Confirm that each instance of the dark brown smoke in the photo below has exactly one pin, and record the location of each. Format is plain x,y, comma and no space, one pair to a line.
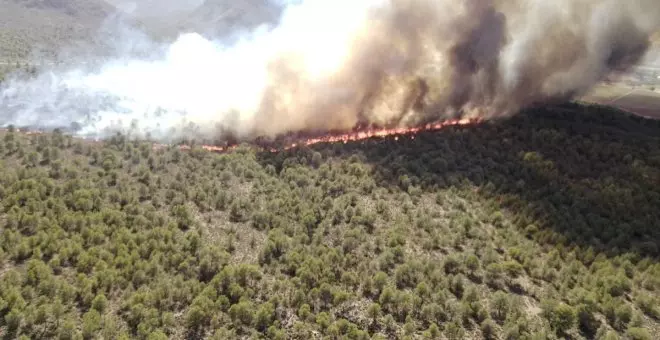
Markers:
422,60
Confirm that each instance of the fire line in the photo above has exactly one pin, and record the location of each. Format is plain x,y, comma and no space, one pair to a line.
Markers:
346,137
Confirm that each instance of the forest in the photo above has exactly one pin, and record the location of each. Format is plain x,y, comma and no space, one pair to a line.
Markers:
544,225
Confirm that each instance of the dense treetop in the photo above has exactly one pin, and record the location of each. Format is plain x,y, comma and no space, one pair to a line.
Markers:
541,226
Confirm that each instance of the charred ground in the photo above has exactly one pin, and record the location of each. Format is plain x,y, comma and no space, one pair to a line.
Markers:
540,226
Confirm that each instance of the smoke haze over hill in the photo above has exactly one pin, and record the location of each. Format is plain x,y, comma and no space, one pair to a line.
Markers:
334,64
210,18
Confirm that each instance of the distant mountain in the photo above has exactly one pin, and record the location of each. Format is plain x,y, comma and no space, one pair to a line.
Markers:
211,18
156,8
221,17
44,26
48,29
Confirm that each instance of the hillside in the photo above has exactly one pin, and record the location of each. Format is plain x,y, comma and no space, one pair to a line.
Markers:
41,31
45,26
216,19
542,226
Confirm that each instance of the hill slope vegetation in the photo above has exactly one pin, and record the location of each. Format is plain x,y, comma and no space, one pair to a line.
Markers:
40,29
44,27
542,226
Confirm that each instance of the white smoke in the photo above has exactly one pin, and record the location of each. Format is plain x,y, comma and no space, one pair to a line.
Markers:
328,61
196,82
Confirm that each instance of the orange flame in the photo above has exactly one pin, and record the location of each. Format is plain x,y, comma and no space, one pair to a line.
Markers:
329,138
347,137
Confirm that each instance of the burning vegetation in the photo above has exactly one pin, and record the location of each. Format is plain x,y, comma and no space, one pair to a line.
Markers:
293,140
328,66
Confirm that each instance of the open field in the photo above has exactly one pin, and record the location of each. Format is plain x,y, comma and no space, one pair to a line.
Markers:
640,101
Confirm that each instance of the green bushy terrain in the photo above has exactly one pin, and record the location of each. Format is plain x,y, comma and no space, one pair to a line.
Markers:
542,226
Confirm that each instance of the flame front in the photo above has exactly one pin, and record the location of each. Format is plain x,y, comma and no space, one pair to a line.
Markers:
347,137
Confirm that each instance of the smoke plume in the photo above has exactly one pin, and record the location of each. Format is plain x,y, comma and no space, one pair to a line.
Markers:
333,65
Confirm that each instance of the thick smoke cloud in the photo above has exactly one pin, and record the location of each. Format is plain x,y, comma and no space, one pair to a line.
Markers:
331,65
